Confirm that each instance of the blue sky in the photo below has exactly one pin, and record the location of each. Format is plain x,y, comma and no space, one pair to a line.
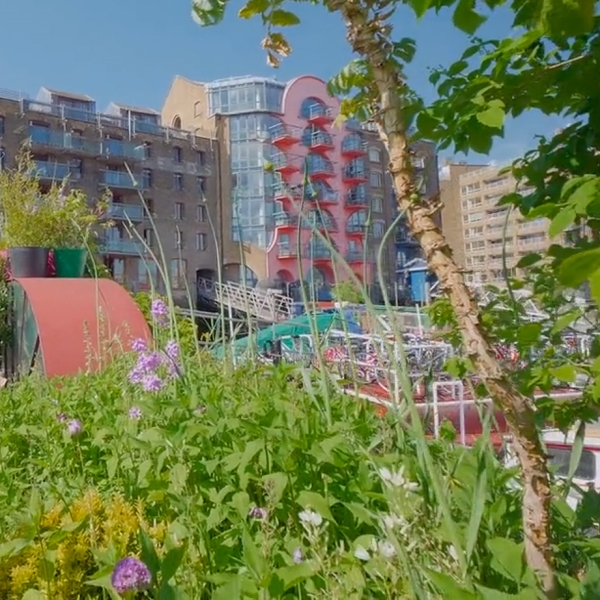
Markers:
129,51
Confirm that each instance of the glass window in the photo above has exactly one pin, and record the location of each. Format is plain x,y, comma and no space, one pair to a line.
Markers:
201,241
378,229
177,154
308,107
178,273
201,185
377,204
374,155
178,211
376,179
177,182
146,179
201,214
1,125
560,459
179,239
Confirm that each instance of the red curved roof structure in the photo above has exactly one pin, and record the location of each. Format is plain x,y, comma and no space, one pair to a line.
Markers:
81,323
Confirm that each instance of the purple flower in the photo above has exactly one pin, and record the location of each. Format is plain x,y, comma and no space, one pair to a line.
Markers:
135,413
131,575
172,349
148,362
152,382
139,345
136,375
61,418
74,427
257,513
298,556
159,311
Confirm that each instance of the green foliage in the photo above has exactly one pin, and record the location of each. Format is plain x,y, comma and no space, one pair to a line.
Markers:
346,291
56,219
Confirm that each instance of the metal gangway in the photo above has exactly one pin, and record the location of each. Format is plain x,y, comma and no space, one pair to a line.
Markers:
269,306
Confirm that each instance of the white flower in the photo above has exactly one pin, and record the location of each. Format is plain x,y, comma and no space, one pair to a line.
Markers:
361,553
391,521
310,517
386,549
396,479
452,552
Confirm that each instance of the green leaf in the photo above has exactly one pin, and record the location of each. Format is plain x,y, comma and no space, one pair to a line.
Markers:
576,452
283,18
34,595
252,556
149,556
253,8
575,269
420,7
275,483
477,506
491,594
171,563
529,333
567,18
405,49
528,260
564,373
426,124
466,18
493,115
564,219
595,287
565,321
507,558
448,587
316,502
295,574
590,586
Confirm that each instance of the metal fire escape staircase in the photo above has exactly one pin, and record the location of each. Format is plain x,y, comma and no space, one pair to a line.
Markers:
269,306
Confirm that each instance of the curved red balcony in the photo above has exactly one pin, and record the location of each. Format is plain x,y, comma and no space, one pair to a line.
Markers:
320,169
321,141
320,114
354,200
284,136
286,251
353,147
286,164
355,257
356,229
318,254
284,191
354,175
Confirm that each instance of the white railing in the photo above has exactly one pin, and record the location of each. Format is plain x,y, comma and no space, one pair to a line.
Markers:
268,306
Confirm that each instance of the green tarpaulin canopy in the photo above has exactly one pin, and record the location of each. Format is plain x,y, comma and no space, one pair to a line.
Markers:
322,322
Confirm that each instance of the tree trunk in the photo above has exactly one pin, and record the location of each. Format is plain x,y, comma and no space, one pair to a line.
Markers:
369,39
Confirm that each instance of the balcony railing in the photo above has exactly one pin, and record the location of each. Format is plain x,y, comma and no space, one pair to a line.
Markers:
320,112
118,179
326,196
126,212
44,136
318,167
356,227
131,125
120,149
120,246
356,256
353,144
316,252
354,174
356,200
55,171
321,139
286,251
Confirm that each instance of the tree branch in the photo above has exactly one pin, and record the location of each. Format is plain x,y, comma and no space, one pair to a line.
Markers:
366,38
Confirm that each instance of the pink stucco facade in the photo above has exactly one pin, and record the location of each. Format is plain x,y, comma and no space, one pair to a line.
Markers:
309,140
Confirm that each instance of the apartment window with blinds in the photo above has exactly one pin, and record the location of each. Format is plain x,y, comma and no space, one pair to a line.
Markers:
177,182
179,240
201,214
201,185
201,241
377,205
178,273
1,125
376,179
177,154
178,211
146,179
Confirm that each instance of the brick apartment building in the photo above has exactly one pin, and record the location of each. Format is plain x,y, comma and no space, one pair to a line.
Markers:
176,171
477,228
